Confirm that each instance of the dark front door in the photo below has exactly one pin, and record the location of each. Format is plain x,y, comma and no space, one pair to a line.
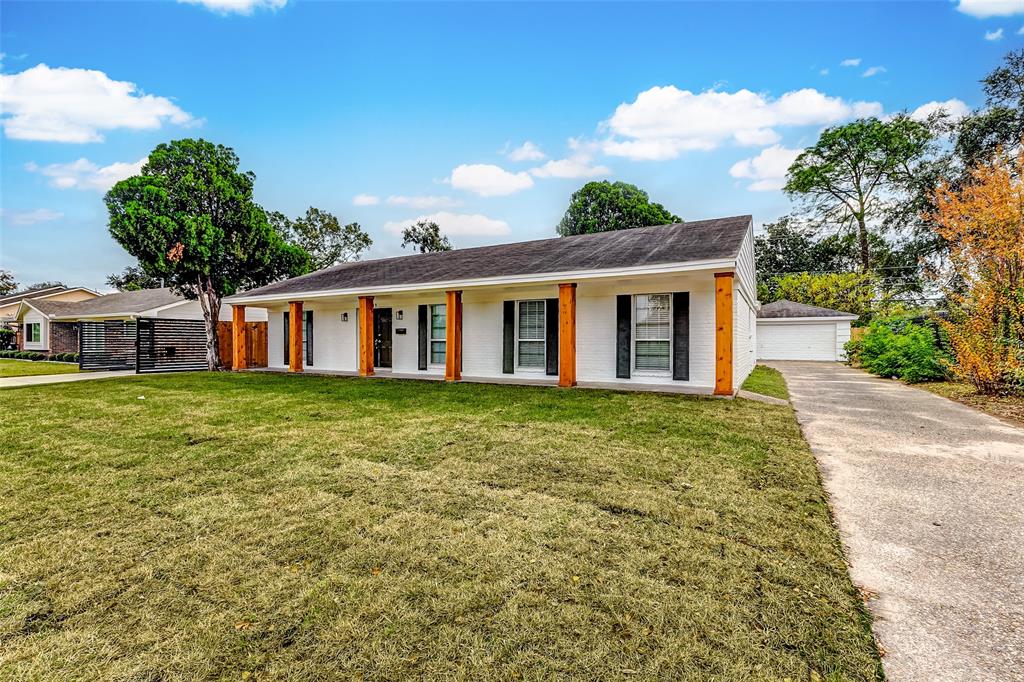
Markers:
382,337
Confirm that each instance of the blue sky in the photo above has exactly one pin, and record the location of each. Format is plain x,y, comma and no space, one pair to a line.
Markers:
382,113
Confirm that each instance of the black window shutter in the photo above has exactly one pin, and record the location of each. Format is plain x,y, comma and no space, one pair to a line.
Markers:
423,321
508,346
681,335
551,334
287,342
309,338
623,335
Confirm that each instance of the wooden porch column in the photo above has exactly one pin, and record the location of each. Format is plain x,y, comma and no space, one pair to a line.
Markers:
295,330
567,334
453,336
723,333
239,338
366,336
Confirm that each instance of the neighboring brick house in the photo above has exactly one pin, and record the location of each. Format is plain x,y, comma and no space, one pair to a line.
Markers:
10,304
52,326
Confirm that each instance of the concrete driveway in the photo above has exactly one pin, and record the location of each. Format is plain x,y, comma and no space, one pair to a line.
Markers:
929,498
41,379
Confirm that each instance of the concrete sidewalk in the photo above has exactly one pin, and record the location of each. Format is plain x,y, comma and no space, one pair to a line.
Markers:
929,498
42,380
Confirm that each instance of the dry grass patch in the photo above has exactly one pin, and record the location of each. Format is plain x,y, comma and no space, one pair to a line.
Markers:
312,528
1008,407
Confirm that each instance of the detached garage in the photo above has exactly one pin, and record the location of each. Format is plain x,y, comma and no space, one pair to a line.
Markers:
795,331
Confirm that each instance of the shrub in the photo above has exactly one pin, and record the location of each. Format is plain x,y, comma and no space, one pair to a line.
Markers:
896,347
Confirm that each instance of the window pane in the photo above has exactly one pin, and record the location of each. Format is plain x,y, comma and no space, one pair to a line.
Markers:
437,321
652,355
652,317
437,352
531,354
531,320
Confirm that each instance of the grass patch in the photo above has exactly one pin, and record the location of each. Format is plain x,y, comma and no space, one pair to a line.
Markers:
767,381
321,528
30,368
1008,407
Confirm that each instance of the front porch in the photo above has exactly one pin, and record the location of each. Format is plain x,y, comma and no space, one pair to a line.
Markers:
596,333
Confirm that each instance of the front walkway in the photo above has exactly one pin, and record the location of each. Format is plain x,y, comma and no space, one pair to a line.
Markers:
929,498
41,379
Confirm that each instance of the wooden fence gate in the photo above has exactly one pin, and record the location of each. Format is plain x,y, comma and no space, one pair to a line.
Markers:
256,336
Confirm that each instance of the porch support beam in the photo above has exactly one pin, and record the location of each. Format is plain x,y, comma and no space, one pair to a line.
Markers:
366,336
567,334
723,333
296,327
453,336
239,339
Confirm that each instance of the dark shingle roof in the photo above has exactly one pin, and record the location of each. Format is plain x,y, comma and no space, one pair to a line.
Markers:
786,308
30,293
678,243
113,304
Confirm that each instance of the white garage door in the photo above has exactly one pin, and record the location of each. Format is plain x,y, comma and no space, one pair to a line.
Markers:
801,341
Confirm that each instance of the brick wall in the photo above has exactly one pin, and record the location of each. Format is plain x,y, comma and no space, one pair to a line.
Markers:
63,337
19,337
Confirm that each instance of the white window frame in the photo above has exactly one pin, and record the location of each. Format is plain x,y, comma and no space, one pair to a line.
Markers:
544,337
38,326
632,331
430,335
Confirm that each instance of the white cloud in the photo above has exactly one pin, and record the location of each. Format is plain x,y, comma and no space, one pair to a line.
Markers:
982,9
850,62
994,35
423,201
32,217
664,121
1020,31
76,105
823,72
873,71
455,224
365,200
758,137
237,6
767,169
489,180
84,174
954,108
579,164
527,151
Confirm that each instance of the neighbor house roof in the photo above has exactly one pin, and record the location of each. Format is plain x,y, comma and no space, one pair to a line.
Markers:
42,292
701,240
791,309
122,304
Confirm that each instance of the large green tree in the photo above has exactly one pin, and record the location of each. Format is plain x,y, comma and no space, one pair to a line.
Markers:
190,219
1000,123
426,237
845,178
133,278
322,236
604,206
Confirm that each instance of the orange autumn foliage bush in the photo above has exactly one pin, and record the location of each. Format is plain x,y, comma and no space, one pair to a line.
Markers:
983,222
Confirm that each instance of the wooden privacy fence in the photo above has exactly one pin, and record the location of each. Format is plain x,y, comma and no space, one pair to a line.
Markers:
256,337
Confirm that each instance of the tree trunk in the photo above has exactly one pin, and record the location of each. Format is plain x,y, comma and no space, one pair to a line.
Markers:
862,238
210,303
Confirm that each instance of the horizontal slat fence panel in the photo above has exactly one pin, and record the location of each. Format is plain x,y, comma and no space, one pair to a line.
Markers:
106,345
256,335
167,345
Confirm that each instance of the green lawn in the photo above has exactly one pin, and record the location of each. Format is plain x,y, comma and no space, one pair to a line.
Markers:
767,381
286,527
28,368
